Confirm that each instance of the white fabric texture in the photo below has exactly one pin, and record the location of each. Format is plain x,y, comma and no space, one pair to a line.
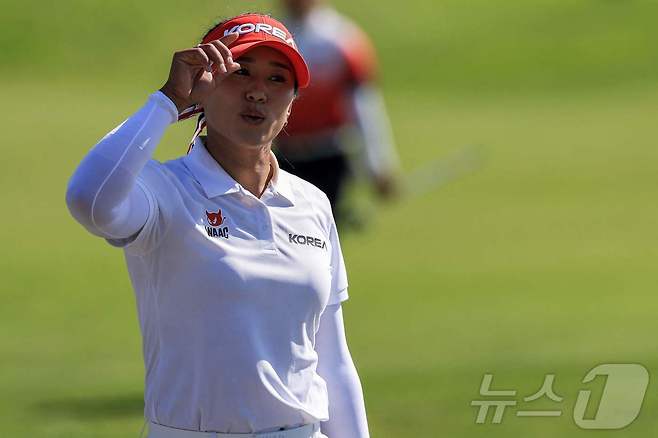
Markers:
102,194
307,431
230,288
347,413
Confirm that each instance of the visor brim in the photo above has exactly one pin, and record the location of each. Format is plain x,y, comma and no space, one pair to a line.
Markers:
296,60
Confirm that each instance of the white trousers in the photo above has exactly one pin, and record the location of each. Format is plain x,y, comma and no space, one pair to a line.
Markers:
307,431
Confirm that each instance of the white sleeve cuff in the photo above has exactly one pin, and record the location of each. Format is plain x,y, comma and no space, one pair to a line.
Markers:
166,105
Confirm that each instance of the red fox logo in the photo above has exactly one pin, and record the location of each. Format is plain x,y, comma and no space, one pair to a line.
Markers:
215,219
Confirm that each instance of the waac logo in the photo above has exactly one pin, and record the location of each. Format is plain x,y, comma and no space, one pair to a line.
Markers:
215,220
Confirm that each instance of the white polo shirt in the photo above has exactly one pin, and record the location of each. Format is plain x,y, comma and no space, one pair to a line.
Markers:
230,289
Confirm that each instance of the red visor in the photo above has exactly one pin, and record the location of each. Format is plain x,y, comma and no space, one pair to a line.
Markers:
256,30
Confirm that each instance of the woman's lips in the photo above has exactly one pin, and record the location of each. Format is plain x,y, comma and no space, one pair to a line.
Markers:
253,117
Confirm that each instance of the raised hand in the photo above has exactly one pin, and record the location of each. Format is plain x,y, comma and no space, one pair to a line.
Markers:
195,72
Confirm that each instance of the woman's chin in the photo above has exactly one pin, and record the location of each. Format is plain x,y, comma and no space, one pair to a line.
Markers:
255,139
254,142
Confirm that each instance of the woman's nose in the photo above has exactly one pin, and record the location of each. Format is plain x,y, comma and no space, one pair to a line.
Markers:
256,94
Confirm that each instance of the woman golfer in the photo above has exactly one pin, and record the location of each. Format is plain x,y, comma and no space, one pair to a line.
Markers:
236,264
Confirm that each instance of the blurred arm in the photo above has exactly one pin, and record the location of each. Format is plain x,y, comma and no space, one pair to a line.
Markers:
372,122
103,194
347,412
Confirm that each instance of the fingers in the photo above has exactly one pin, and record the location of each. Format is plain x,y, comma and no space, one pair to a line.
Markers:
215,57
220,57
228,39
231,65
196,57
187,78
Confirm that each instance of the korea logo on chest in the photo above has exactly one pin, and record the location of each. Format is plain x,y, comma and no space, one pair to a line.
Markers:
216,226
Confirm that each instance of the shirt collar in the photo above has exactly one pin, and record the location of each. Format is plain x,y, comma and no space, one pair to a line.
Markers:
215,181
280,182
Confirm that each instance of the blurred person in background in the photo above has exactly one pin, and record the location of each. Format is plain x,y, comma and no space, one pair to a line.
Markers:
342,99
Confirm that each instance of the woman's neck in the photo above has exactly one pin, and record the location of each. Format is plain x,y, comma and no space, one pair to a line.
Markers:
251,167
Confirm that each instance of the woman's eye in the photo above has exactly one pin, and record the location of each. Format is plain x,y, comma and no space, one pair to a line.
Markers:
278,78
242,72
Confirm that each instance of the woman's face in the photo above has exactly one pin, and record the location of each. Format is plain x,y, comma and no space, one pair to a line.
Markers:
251,106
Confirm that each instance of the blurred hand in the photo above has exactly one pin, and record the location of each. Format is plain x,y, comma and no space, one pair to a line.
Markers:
386,186
196,72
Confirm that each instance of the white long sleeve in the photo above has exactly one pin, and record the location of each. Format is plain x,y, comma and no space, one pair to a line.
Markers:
347,412
103,194
380,155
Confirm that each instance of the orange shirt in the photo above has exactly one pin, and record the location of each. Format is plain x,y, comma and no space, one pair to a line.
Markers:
339,56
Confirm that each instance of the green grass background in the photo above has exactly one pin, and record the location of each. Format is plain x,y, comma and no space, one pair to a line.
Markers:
544,261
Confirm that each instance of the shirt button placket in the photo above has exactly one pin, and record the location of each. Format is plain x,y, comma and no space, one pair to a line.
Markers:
267,234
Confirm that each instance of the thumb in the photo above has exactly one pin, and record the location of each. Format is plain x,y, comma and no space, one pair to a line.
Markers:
229,38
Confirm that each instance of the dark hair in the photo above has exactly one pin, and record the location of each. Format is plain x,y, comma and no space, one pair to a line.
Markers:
220,22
